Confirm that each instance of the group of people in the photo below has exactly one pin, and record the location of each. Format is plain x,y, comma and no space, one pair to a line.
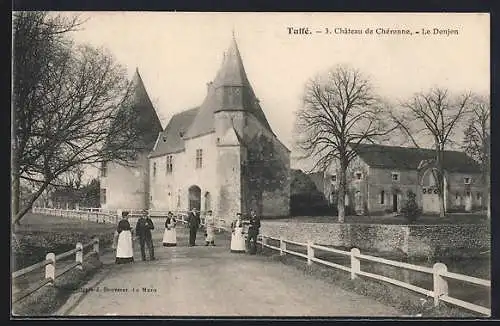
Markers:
123,240
124,235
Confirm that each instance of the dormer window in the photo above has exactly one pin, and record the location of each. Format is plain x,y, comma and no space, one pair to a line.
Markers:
467,180
358,175
395,176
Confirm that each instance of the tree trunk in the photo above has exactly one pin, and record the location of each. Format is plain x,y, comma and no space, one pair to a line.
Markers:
342,193
440,182
28,206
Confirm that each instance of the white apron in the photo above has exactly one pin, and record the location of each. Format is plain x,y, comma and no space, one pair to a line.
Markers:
210,230
124,247
170,236
238,240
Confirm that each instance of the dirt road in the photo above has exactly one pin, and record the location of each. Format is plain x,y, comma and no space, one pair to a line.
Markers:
211,281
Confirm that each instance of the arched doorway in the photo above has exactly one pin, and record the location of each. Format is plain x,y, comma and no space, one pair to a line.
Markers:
208,202
194,197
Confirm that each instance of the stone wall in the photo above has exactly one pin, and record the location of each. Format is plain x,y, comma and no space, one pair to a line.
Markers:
413,241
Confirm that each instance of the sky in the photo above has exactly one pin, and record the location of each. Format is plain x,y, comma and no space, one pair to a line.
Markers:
178,53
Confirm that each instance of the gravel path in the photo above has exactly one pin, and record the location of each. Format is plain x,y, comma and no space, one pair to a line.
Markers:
211,281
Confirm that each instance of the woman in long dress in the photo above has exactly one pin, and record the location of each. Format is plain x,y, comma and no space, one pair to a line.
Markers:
170,234
237,235
123,236
210,229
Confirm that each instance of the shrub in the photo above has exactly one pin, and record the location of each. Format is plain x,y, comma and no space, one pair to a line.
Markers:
410,209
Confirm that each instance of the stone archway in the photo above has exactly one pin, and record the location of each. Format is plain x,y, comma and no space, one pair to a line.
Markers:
194,197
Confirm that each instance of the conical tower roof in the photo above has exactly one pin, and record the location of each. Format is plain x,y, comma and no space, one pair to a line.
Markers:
230,74
148,124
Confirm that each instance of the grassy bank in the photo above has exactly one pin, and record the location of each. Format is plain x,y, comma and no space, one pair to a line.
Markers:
408,302
40,234
49,298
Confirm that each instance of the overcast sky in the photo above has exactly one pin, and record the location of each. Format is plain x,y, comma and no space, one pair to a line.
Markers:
178,53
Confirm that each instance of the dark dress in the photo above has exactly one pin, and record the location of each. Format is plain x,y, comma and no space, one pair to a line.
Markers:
124,243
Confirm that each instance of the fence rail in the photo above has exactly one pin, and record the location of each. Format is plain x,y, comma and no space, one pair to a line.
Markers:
439,271
49,263
100,215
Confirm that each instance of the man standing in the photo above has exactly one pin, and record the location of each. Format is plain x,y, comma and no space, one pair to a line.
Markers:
194,223
143,231
253,232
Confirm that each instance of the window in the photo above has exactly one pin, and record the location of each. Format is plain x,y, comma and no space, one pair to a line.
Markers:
382,197
467,180
478,196
456,195
358,175
104,169
334,178
103,196
199,158
154,169
395,176
169,166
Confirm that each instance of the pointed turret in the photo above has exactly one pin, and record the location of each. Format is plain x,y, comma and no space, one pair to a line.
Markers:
148,123
230,91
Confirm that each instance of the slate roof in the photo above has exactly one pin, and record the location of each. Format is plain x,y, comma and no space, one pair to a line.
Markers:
170,140
408,158
146,123
231,73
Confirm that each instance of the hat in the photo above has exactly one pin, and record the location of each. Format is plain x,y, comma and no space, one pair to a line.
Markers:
124,214
238,214
209,212
145,212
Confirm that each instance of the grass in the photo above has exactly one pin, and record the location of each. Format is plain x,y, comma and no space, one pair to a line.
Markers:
39,234
407,302
34,238
51,297
451,218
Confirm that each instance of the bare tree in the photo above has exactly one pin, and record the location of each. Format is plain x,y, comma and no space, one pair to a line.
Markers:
435,114
477,141
72,106
340,111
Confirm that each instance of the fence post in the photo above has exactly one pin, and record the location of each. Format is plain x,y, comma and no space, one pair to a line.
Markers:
79,255
96,245
310,252
50,269
263,241
355,263
440,283
282,246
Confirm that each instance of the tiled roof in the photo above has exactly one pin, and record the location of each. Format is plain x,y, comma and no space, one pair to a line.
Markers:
171,139
409,158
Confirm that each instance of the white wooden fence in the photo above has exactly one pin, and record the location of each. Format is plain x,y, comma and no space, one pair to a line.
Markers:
50,268
100,215
439,271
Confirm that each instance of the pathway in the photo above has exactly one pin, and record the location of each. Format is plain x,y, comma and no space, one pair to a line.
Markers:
211,281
